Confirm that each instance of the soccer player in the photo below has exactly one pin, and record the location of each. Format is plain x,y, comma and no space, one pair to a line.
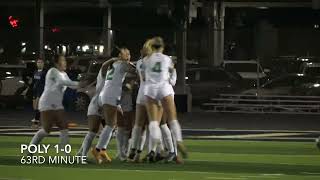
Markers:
110,97
39,77
94,110
125,118
157,68
50,102
138,136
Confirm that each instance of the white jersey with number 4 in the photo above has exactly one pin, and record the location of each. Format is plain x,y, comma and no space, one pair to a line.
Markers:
157,68
156,71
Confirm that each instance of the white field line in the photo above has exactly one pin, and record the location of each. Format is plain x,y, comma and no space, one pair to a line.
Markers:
188,129
252,135
120,170
226,178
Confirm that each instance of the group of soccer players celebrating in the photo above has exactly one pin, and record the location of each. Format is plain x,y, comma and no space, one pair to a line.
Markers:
154,121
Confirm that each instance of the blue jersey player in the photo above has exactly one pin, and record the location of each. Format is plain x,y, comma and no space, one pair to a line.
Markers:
38,82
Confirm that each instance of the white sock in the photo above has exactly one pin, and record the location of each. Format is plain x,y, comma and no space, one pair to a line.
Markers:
160,147
176,130
135,137
125,142
143,140
167,137
155,135
64,137
119,137
39,136
129,146
86,144
104,137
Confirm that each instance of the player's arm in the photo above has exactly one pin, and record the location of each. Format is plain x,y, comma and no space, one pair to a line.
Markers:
173,77
106,65
64,81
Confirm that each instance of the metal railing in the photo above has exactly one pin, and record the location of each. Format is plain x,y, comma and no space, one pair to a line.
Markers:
238,103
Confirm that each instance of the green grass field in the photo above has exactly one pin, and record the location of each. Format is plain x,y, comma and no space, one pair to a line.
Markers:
234,160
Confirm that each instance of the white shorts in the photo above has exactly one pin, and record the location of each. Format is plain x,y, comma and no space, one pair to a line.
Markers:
141,99
158,91
47,102
94,109
126,102
110,96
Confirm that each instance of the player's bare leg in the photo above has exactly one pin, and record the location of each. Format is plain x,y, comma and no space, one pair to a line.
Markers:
171,112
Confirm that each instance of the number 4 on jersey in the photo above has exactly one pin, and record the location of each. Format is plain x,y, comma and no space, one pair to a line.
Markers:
157,67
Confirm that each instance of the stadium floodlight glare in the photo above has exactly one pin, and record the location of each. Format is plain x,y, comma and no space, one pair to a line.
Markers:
263,7
316,85
101,48
85,48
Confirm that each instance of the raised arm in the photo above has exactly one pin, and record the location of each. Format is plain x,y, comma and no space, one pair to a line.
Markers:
105,66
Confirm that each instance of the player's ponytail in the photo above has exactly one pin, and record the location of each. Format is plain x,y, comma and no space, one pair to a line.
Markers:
147,49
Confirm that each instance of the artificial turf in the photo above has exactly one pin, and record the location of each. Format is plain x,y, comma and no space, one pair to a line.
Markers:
209,159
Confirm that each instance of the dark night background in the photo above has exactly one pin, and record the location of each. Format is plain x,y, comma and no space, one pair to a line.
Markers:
257,33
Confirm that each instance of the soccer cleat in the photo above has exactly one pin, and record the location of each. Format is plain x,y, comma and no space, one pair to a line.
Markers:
151,157
178,160
95,153
170,157
104,156
159,157
182,149
132,154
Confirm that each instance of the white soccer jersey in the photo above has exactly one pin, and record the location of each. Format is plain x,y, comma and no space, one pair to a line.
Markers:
157,76
116,75
157,68
112,89
55,85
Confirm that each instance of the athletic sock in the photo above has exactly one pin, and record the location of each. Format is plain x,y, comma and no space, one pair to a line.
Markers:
176,130
167,137
104,137
155,135
160,147
125,142
135,137
87,143
39,136
64,138
119,137
142,140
